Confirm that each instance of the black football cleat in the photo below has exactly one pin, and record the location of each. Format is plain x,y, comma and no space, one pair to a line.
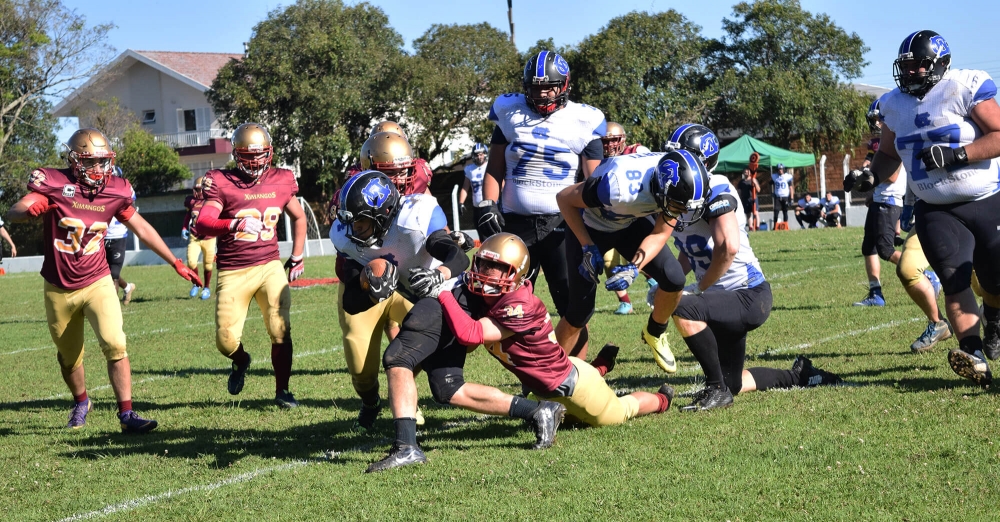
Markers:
284,399
991,339
711,398
367,417
237,376
545,421
667,390
399,455
607,357
810,375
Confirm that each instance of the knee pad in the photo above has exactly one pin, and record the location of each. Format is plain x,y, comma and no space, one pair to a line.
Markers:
226,342
70,362
445,383
955,280
398,356
114,349
671,276
208,266
193,265
908,273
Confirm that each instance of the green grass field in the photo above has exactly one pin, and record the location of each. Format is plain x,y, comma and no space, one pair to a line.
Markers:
906,440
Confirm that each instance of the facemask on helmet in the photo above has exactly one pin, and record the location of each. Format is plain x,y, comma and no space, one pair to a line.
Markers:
546,70
252,150
924,58
90,157
681,187
499,267
368,195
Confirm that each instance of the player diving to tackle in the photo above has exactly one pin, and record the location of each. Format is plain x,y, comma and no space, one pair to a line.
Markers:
77,203
241,209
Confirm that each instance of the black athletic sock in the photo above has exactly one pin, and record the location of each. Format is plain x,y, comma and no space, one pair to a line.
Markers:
991,314
705,348
654,328
971,344
521,408
768,378
406,430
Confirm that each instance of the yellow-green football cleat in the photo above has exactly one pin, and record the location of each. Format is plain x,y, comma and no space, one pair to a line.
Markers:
661,351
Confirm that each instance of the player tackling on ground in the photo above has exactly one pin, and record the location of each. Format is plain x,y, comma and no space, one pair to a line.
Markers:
77,203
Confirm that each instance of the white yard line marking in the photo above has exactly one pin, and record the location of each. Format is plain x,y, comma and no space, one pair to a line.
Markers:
852,333
22,350
806,271
137,503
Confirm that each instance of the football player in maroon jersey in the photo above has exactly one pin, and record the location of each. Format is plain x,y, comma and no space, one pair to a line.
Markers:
77,203
242,207
205,246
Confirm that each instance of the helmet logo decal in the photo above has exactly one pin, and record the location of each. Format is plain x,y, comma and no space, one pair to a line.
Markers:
562,66
709,145
375,193
939,46
668,173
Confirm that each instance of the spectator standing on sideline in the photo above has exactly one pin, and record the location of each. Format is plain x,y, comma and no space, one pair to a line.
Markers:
808,210
748,188
473,183
784,192
831,210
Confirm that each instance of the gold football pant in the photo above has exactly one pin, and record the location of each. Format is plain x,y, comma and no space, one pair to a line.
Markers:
267,284
65,311
912,261
205,247
363,337
611,259
594,402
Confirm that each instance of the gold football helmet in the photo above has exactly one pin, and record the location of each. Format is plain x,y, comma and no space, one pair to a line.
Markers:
499,267
252,149
391,155
90,156
198,185
387,126
613,140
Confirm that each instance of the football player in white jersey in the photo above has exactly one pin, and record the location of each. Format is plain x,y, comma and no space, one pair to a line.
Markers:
729,299
540,140
831,210
944,126
473,183
630,204
784,192
410,232
114,248
883,214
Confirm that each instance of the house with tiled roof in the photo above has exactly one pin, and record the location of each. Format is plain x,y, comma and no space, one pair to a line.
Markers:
166,91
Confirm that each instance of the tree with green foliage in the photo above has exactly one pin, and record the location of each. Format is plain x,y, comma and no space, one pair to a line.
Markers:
317,74
456,73
151,166
45,51
781,75
645,71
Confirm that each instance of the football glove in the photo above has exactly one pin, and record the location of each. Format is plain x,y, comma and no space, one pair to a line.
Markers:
941,156
249,225
489,221
295,266
906,218
187,273
621,277
40,207
592,265
461,210
464,240
185,235
426,282
860,180
380,288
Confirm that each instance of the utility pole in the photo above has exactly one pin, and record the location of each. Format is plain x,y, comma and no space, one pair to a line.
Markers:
510,18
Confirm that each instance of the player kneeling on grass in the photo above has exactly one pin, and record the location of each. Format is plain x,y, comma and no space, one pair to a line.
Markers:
241,209
729,299
630,204
515,328
377,233
77,204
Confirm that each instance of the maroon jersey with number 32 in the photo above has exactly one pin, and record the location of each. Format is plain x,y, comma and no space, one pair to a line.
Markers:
264,200
75,229
532,353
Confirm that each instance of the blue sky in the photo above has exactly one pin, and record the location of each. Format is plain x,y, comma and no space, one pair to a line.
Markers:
210,26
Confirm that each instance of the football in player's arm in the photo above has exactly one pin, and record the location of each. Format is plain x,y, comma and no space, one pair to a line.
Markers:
77,204
242,208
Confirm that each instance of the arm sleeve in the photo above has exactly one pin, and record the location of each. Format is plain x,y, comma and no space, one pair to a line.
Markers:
443,248
125,213
467,330
594,150
723,204
209,224
596,191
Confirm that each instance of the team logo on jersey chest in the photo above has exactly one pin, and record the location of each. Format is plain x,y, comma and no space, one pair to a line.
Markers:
250,197
69,191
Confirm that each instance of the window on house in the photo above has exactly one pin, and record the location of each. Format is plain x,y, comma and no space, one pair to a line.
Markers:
148,117
190,120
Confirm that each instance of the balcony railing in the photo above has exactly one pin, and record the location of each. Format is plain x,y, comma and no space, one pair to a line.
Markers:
192,138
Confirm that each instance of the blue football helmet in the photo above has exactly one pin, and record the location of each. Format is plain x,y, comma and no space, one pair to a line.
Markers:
925,50
546,69
874,111
372,195
698,140
682,179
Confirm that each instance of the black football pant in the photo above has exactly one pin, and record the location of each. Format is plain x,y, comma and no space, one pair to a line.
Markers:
880,230
959,237
781,204
545,237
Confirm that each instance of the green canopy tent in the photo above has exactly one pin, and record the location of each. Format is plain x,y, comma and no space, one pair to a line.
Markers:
736,156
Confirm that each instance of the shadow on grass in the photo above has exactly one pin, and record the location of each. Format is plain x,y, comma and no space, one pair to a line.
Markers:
23,321
259,370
